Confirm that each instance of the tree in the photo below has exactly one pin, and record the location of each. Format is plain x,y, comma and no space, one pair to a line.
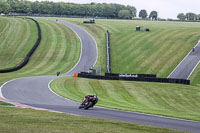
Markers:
190,16
4,7
14,5
153,15
109,10
143,14
132,10
181,16
61,8
198,17
124,14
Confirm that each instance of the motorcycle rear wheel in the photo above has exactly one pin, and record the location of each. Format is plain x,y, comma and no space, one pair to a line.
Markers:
88,105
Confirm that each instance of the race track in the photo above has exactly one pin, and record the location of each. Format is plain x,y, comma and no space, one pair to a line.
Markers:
187,65
35,92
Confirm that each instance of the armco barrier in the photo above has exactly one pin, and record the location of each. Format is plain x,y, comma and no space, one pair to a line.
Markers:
161,80
25,61
108,52
145,79
131,75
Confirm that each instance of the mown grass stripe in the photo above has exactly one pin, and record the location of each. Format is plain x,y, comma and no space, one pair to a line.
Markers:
176,47
58,58
11,47
4,26
8,37
26,35
136,50
59,50
156,55
5,33
40,51
45,53
64,50
163,53
73,52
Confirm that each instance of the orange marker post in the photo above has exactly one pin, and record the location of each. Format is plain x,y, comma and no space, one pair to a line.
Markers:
75,74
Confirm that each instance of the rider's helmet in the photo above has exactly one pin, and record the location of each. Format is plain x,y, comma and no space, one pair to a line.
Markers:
95,96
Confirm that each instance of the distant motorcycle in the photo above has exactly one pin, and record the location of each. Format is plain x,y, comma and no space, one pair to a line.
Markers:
89,101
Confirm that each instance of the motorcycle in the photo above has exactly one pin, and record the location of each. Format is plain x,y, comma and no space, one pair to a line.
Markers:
89,101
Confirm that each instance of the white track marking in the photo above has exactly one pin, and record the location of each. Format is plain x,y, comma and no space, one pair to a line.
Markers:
193,70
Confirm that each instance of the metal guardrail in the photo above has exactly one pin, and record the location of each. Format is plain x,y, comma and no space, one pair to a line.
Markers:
143,78
108,52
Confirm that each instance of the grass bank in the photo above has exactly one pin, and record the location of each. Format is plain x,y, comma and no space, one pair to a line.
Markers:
59,50
179,101
17,37
32,121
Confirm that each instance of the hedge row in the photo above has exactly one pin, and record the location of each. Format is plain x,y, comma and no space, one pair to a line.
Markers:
30,53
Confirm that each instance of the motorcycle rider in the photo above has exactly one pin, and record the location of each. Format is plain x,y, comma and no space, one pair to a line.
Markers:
86,99
94,96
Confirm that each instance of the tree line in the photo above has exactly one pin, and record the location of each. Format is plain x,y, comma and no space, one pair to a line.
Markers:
153,15
61,8
188,16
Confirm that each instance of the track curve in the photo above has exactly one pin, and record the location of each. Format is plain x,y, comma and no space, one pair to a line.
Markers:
187,65
34,92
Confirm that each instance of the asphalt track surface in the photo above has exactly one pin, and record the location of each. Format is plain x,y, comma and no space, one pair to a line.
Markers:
187,65
34,92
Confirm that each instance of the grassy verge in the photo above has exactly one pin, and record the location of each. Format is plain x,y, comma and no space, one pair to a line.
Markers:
2,103
26,120
180,101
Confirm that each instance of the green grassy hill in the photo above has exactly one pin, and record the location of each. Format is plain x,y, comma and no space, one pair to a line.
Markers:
17,37
179,101
55,52
59,50
156,52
